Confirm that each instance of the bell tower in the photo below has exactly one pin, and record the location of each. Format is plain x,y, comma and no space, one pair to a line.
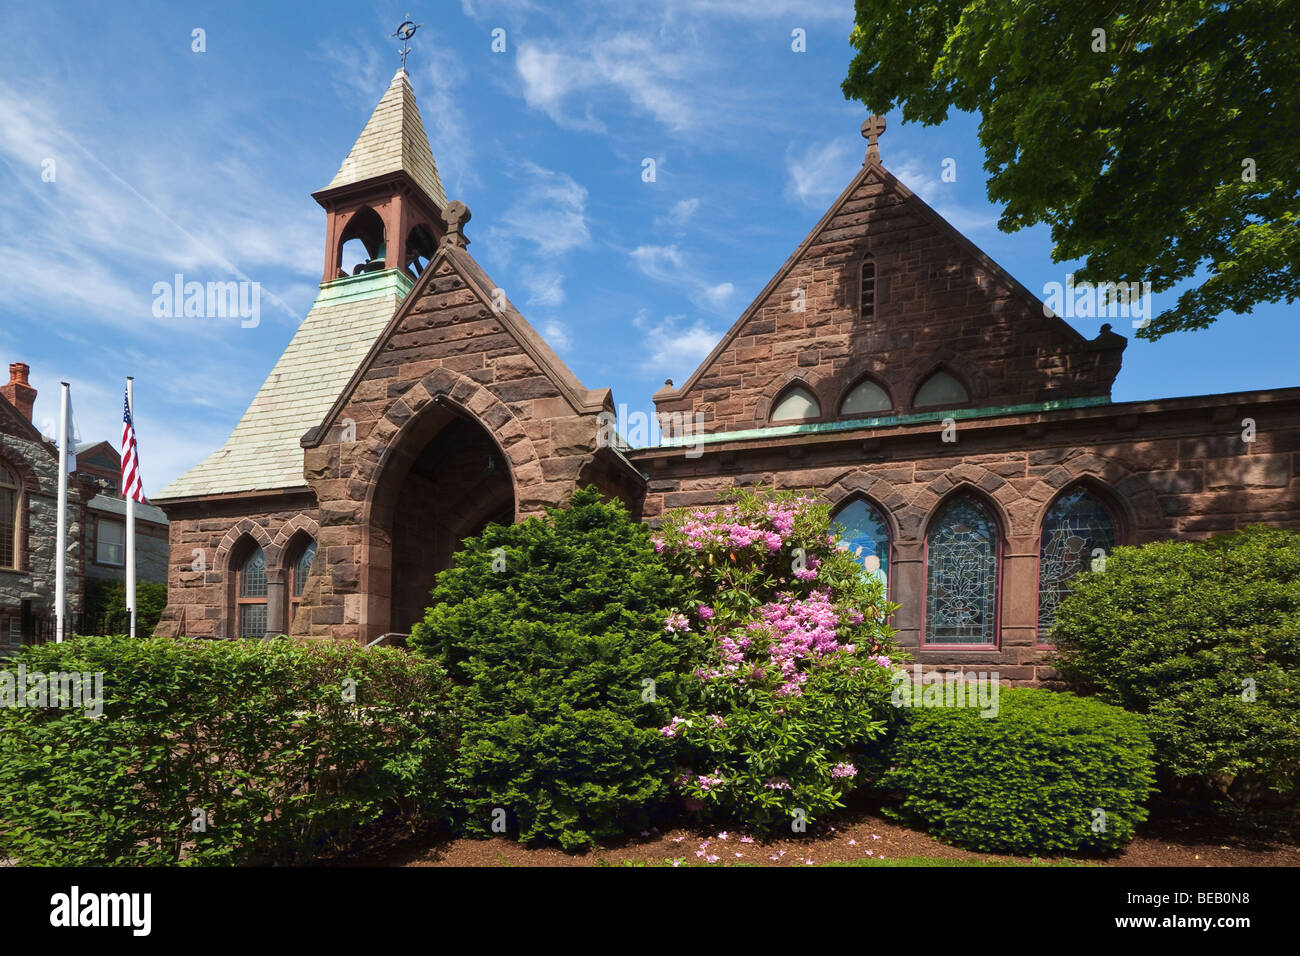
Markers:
387,194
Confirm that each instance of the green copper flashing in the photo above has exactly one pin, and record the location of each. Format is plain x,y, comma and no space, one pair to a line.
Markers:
816,428
368,285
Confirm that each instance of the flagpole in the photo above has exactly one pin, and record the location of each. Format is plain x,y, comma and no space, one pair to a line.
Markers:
61,537
130,522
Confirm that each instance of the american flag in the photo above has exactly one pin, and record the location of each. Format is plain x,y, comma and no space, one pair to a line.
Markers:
131,484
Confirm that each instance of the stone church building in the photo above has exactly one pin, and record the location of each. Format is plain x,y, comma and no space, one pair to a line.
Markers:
963,434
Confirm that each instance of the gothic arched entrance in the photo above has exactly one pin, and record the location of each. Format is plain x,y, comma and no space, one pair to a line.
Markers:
445,481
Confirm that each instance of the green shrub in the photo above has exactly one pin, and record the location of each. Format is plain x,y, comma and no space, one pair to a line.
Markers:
787,713
284,747
553,633
1030,780
1203,640
106,613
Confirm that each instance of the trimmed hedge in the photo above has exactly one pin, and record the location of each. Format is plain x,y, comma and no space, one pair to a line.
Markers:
1203,640
1029,780
552,631
266,739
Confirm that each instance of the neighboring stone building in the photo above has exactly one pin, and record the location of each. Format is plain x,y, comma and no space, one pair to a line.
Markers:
29,498
99,466
964,435
29,489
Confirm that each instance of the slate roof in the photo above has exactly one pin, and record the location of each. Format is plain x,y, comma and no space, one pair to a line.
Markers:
393,140
263,453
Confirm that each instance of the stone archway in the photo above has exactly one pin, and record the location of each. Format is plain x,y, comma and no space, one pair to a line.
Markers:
428,502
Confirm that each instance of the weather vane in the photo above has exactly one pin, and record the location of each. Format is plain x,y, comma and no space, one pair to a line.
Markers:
404,33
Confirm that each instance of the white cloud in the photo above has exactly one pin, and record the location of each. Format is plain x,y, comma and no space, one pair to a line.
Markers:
668,264
610,69
679,215
551,214
719,295
819,172
675,345
556,334
545,287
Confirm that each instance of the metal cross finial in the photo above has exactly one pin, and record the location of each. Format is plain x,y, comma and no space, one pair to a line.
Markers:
871,130
404,33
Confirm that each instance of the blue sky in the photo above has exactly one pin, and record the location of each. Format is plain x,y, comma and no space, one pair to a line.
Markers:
167,160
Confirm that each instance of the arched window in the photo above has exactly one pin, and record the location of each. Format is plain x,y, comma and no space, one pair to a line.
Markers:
868,299
796,404
250,590
864,398
10,496
961,575
940,389
866,533
299,578
1078,529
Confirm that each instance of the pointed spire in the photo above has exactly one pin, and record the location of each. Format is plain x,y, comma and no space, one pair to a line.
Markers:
394,140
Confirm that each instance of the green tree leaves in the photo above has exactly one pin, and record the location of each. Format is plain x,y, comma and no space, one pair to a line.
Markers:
1161,149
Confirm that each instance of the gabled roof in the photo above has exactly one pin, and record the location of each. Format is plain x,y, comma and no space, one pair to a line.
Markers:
393,141
871,169
262,453
582,399
16,423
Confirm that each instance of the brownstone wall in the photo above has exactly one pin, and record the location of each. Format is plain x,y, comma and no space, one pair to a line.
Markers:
452,353
1174,468
200,601
939,302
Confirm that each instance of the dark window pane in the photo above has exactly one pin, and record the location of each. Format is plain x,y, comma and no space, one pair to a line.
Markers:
252,620
8,526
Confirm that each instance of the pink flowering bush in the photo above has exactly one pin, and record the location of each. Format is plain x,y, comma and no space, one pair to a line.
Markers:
794,695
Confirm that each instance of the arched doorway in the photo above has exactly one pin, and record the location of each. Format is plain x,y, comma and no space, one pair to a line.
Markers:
446,482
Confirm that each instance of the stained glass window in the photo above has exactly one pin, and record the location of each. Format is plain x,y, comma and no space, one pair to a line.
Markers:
866,533
302,567
865,397
251,602
940,389
796,404
961,575
1077,531
252,577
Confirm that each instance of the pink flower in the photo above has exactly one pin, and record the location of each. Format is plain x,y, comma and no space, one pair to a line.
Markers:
675,623
843,771
705,612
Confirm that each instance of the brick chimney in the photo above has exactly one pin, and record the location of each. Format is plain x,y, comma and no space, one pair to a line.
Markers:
21,395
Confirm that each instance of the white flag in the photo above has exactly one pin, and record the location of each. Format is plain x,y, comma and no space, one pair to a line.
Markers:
74,436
